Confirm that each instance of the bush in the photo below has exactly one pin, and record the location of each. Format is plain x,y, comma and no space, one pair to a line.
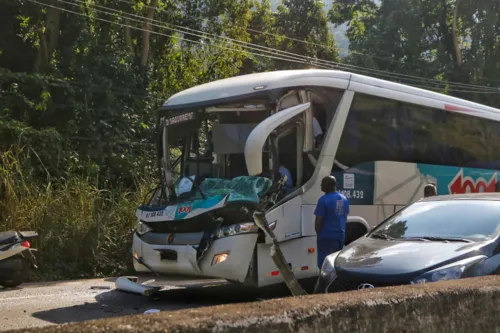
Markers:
85,230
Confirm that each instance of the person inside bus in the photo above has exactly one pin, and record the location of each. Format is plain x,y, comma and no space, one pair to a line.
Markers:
288,186
317,130
331,215
430,190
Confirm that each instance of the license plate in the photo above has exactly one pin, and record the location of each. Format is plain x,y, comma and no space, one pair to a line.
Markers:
168,255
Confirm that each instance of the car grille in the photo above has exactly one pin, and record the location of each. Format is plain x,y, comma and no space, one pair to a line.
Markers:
345,283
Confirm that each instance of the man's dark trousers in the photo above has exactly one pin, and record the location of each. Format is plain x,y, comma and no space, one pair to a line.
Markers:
327,247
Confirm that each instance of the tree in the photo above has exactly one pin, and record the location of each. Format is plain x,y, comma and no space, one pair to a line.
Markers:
304,20
97,76
446,40
263,32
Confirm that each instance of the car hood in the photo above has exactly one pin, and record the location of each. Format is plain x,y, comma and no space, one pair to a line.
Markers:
389,257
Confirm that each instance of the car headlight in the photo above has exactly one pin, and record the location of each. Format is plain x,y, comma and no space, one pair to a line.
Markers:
328,267
142,228
327,274
451,271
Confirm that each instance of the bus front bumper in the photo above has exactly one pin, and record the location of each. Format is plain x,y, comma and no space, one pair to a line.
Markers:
226,258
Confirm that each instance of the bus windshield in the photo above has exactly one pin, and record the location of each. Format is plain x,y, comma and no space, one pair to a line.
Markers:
209,142
206,148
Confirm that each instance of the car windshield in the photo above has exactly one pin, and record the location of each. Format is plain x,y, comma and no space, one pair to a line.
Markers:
475,220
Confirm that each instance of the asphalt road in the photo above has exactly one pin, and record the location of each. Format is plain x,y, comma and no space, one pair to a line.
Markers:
40,304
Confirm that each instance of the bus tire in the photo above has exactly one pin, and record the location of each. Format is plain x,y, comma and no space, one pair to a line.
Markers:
354,230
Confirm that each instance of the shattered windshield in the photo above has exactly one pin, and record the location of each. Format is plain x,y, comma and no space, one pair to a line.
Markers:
244,188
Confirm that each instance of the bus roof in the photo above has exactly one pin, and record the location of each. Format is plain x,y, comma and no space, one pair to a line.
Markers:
252,84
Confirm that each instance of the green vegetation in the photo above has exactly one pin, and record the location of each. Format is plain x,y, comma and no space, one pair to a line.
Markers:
80,81
79,84
84,229
445,40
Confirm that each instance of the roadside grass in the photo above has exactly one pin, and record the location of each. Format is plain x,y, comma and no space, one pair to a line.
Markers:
84,230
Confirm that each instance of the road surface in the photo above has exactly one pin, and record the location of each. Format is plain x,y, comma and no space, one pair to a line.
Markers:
41,304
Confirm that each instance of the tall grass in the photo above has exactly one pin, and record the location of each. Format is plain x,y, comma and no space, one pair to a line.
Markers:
85,231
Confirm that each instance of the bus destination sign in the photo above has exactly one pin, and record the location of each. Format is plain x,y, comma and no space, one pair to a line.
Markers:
179,119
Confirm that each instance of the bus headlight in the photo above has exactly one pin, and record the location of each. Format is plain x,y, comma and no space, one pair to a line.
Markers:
220,257
236,229
451,271
142,228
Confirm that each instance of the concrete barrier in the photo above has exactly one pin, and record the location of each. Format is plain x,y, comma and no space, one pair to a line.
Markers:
468,305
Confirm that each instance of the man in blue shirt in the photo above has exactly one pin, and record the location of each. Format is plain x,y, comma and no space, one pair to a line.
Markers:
331,215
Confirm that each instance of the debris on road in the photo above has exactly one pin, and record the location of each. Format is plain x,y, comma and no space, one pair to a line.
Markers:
151,311
130,284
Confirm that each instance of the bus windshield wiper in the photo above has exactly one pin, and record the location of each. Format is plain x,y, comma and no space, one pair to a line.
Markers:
443,239
381,236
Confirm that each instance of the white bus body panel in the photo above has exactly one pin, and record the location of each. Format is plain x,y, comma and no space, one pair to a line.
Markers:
245,84
288,218
307,217
398,183
304,264
235,267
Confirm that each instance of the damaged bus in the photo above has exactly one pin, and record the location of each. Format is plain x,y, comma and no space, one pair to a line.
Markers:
223,146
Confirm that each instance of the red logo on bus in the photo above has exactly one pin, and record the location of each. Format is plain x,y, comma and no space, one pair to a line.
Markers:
185,209
461,184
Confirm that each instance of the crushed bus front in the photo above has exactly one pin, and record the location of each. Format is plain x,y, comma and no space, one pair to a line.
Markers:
210,236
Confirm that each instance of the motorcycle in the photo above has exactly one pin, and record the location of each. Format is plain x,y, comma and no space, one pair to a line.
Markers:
16,257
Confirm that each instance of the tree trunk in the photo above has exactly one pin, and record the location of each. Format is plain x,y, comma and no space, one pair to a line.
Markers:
128,38
49,39
445,31
490,39
146,34
458,51
42,56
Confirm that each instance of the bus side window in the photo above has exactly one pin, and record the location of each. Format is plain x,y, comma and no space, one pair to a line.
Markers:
379,129
351,132
493,141
371,132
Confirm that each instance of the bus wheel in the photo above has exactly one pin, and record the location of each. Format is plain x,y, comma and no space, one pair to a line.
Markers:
354,230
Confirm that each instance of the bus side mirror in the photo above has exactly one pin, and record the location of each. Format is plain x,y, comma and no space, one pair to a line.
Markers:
258,137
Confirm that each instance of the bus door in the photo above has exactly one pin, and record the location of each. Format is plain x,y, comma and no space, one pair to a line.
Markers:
294,135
